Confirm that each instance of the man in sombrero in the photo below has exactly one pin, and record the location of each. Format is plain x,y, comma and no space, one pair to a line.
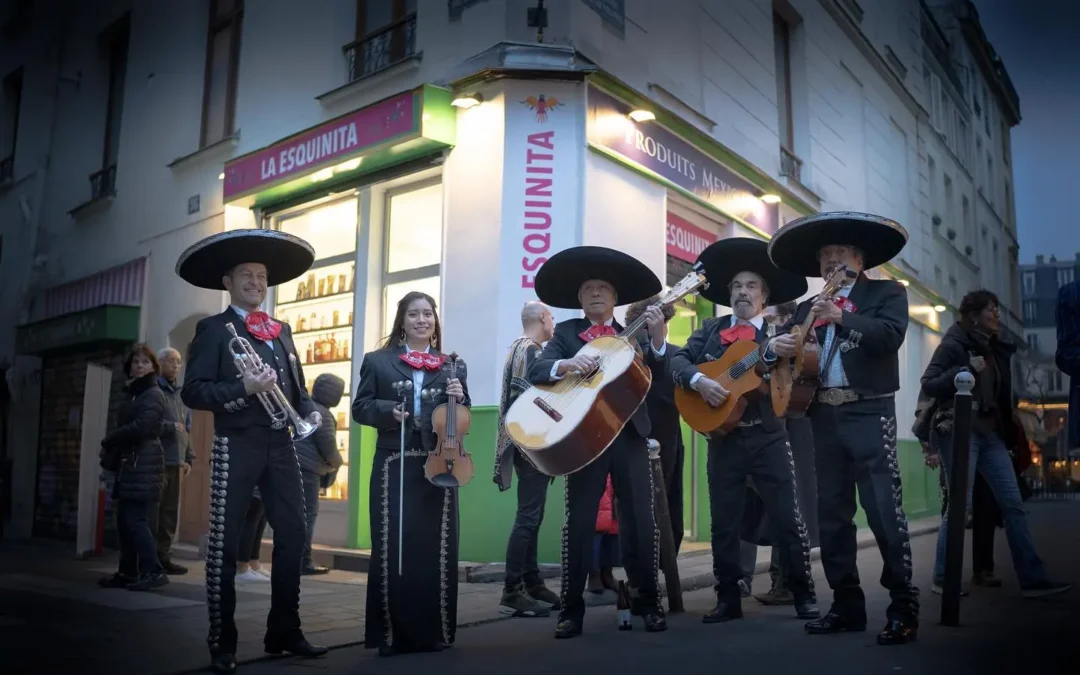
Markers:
742,277
595,280
853,414
248,451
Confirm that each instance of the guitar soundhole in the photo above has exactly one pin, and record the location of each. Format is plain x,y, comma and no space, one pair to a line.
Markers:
548,410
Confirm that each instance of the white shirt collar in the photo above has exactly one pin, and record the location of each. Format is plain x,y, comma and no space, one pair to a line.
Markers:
756,322
242,313
426,350
609,322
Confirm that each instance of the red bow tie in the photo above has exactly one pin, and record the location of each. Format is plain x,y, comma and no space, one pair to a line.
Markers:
422,360
595,332
844,304
740,332
260,325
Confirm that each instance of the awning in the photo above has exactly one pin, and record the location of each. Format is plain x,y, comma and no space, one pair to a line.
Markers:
110,323
392,131
120,285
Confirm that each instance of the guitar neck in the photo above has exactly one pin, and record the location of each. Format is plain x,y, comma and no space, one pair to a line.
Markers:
743,365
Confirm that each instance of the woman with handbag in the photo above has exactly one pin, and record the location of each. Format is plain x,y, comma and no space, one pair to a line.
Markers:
974,344
134,452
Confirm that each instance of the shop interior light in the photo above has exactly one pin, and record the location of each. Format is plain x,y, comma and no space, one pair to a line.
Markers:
771,199
349,165
324,174
939,308
466,101
641,115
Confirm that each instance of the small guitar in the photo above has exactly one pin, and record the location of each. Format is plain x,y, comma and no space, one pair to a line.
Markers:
794,380
735,371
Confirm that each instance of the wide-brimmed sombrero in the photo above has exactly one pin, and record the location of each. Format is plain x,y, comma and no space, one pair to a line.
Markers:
206,262
795,246
725,259
560,278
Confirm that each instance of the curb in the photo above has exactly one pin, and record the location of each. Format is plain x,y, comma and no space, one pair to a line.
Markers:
690,583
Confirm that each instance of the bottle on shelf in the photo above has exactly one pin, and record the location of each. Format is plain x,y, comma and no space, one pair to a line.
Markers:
341,283
337,318
308,357
622,608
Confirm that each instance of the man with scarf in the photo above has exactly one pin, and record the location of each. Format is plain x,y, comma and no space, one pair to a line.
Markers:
524,593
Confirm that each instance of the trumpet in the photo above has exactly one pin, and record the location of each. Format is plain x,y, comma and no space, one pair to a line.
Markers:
281,412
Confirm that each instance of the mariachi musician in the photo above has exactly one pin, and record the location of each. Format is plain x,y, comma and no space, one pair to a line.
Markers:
853,413
414,610
741,276
251,448
597,279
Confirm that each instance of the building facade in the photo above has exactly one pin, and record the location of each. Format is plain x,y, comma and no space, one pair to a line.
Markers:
445,147
1043,389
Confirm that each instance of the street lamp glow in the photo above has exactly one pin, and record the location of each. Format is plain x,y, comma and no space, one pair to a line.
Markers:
641,115
221,176
939,308
771,199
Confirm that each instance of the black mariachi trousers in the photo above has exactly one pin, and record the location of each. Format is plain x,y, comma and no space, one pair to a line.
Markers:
627,461
766,457
240,461
855,445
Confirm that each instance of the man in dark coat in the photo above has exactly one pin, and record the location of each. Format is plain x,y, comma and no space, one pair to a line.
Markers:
757,530
754,445
319,456
179,457
596,279
853,412
253,443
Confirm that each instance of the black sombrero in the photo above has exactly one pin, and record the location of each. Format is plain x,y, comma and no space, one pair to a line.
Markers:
725,259
285,256
560,278
795,246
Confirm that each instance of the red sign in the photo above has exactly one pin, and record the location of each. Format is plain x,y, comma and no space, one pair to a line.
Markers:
322,145
685,240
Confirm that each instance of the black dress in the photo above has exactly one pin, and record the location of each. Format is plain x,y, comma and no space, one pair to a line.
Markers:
416,610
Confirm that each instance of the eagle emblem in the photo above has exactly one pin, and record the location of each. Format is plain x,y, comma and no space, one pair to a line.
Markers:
542,104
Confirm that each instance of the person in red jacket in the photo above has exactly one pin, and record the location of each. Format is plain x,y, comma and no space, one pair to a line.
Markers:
606,544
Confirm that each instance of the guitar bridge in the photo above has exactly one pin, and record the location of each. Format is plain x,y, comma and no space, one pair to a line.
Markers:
548,410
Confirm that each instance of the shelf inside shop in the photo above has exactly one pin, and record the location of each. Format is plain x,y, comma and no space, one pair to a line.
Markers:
345,328
316,300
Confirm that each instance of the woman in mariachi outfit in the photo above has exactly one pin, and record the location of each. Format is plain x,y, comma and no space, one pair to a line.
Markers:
416,610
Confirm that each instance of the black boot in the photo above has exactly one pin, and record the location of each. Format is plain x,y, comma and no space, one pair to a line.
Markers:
296,645
898,632
223,663
725,610
310,568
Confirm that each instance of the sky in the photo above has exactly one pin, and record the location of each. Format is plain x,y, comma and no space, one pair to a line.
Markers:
1038,42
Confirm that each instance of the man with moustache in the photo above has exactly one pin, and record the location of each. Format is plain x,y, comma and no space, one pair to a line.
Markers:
250,449
596,279
853,414
758,447
524,592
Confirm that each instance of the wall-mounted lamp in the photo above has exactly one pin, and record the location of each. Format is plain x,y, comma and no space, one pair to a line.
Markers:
466,101
939,308
904,282
641,115
771,199
221,176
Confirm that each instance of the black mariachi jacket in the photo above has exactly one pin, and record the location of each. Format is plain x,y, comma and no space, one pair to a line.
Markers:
663,417
373,405
211,382
565,344
868,343
705,345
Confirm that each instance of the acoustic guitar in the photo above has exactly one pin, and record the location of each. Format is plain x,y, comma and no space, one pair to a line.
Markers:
735,371
565,426
794,380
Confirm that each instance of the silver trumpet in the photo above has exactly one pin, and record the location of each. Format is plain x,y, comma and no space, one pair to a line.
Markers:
281,412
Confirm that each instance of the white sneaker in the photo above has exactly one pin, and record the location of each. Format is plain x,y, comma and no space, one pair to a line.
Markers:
263,572
251,575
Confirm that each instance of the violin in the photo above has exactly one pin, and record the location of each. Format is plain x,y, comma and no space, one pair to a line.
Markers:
449,465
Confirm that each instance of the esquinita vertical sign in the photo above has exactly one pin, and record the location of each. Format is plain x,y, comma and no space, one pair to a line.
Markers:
542,185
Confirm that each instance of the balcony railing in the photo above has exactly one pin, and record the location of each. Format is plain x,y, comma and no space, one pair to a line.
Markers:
790,165
103,183
384,48
7,168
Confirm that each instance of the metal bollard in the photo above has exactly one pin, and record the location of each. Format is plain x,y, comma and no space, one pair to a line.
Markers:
958,498
669,563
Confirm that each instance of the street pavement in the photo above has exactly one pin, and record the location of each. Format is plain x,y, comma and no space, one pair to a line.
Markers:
54,619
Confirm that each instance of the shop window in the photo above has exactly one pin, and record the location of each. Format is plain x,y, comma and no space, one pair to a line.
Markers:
319,308
222,66
414,234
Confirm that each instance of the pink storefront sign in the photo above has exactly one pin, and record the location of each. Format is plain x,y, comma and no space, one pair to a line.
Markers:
323,146
685,240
